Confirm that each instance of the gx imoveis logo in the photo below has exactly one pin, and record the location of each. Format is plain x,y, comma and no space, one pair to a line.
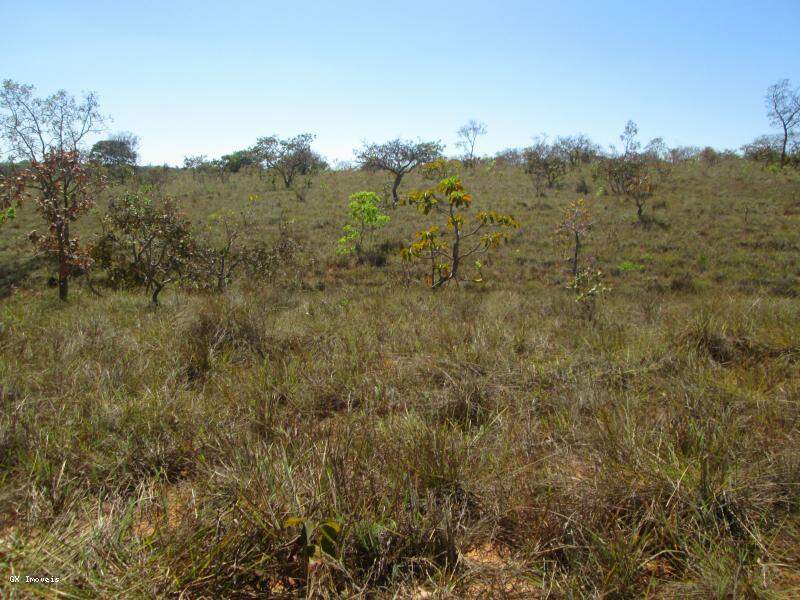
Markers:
33,579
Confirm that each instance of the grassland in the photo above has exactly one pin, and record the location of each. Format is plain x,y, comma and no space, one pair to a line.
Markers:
485,440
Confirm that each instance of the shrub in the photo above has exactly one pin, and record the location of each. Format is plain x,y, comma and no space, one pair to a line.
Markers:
276,260
365,217
439,169
7,214
145,242
627,265
633,174
545,164
225,246
589,286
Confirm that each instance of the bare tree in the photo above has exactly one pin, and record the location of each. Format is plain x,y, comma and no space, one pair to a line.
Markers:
33,127
630,145
467,136
783,110
48,133
398,157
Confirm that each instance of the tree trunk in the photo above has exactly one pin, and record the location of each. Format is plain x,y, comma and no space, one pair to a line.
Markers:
575,256
221,276
156,291
63,266
397,179
456,250
783,148
63,283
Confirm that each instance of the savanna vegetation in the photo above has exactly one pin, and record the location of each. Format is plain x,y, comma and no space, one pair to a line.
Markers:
557,372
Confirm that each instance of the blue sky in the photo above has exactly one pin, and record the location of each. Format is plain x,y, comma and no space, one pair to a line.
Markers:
211,77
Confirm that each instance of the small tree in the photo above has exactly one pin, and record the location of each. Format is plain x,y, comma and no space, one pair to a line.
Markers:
577,149
119,154
145,242
236,161
289,157
48,134
633,174
783,110
365,217
573,229
630,145
222,254
632,177
467,137
545,164
398,157
446,252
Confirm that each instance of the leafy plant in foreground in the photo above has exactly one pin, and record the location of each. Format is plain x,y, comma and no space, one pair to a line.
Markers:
365,217
7,214
444,248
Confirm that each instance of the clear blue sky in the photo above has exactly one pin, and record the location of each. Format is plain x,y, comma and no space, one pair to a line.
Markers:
211,77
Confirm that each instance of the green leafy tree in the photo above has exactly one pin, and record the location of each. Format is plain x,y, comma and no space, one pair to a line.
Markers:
447,249
365,218
118,154
236,161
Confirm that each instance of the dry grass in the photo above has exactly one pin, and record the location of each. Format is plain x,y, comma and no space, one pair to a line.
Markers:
480,441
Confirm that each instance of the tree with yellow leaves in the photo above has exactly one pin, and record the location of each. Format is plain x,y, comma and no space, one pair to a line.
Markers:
446,249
